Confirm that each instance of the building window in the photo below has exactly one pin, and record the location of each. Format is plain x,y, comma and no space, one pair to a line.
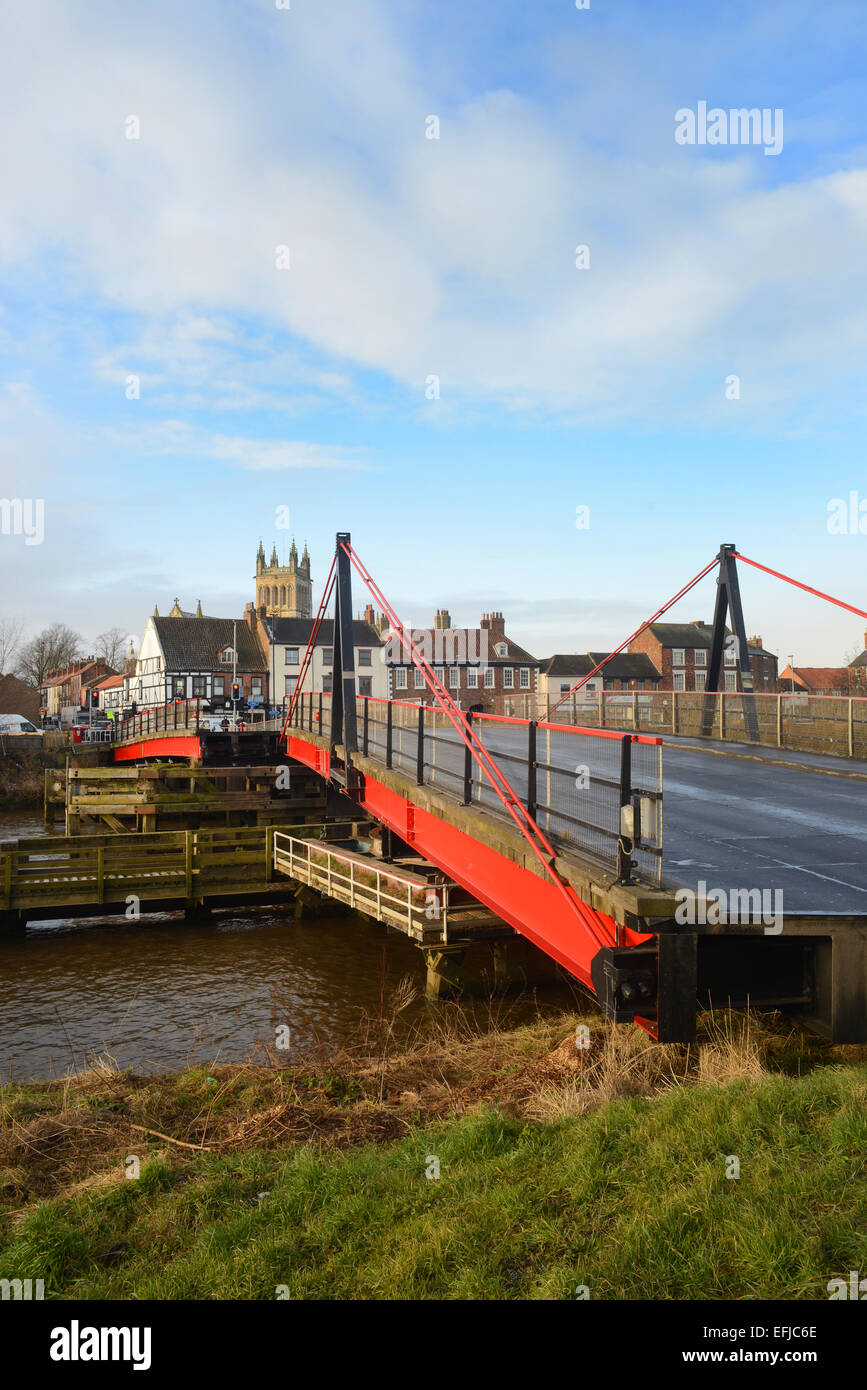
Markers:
227,656
472,677
700,655
364,685
454,677
327,656
677,681
501,649
700,680
678,656
400,678
219,685
364,656
200,687
291,656
419,678
256,687
282,595
440,673
525,678
731,680
289,684
508,678
489,677
178,687
730,655
326,683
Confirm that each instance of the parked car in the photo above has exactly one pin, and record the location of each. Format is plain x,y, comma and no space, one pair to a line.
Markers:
17,724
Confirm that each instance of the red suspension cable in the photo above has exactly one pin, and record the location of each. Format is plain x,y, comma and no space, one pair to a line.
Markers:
658,614
798,585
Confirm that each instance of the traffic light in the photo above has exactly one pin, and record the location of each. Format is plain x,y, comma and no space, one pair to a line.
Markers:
236,690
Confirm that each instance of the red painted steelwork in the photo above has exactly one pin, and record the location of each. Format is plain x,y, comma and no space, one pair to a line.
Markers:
319,759
182,747
534,906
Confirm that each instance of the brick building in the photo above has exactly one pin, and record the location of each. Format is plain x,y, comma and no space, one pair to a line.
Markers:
815,680
681,652
626,671
482,669
16,697
65,691
858,673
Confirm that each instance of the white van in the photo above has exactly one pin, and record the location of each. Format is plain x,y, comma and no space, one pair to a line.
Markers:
17,724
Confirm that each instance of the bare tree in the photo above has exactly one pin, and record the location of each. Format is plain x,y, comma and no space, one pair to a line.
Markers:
111,646
54,647
11,632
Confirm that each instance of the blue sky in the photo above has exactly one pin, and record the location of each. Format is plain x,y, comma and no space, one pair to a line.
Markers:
411,258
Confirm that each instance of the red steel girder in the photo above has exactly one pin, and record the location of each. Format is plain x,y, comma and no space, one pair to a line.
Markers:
181,747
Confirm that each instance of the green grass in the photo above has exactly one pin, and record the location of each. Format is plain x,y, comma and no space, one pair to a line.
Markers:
631,1200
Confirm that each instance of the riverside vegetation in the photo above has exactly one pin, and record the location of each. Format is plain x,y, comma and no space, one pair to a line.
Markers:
477,1160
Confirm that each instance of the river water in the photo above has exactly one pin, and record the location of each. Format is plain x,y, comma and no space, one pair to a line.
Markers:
162,993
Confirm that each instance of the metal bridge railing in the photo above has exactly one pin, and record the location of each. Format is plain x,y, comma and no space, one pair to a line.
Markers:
405,900
591,790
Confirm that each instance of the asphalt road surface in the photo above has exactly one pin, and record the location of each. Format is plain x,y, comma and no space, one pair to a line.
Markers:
728,820
735,823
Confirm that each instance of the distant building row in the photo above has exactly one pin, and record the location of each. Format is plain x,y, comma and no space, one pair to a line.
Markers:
188,655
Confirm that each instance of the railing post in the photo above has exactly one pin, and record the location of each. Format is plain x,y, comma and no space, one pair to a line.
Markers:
531,769
673,711
419,761
198,705
779,721
468,765
388,734
635,709
188,862
365,726
601,720
722,714
320,714
269,853
626,829
7,879
851,728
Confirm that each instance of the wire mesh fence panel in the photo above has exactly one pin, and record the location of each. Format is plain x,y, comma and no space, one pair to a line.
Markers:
816,724
573,790
507,744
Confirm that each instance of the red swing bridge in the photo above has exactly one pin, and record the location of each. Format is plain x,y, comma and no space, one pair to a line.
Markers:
540,843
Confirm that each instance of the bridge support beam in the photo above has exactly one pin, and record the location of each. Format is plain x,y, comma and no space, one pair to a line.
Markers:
480,968
12,923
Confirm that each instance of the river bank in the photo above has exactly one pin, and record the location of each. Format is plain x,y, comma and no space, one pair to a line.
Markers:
22,779
506,1163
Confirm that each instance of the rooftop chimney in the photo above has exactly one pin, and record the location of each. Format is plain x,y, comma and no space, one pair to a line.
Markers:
443,619
494,623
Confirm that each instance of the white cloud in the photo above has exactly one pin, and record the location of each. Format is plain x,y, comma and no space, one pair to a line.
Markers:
411,256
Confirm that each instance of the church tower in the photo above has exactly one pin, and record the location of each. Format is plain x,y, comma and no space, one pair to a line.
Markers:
284,591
